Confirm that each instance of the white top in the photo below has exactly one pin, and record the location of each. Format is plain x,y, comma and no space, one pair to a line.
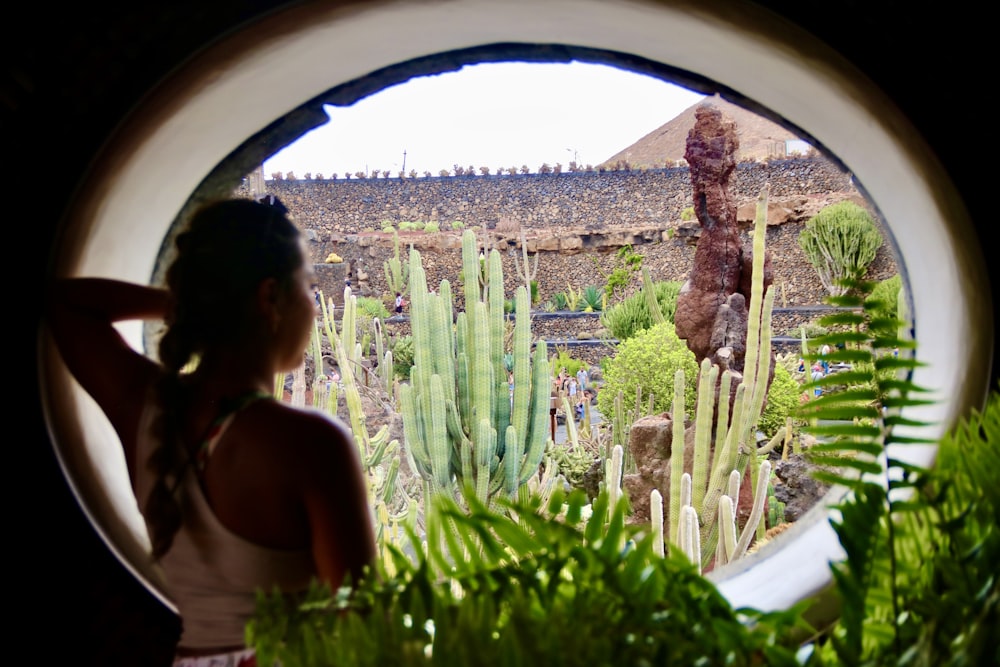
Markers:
212,573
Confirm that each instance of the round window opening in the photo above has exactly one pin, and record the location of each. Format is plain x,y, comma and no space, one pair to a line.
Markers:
267,85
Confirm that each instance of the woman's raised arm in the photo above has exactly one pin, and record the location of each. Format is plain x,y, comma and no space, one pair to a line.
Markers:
80,314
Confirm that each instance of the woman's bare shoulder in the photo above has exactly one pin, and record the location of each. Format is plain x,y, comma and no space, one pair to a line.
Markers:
299,434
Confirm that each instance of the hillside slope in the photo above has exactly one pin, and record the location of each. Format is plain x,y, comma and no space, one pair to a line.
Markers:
757,136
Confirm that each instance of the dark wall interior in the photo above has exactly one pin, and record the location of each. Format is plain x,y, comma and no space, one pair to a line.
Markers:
71,73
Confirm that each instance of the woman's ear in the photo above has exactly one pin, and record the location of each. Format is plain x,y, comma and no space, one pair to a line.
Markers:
269,302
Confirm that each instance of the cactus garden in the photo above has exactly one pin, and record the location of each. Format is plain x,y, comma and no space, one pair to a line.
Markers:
500,545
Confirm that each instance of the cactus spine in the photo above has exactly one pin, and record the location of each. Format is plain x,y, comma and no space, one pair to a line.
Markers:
461,427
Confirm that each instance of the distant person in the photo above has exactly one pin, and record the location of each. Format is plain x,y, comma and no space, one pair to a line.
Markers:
582,378
240,492
824,362
817,374
399,303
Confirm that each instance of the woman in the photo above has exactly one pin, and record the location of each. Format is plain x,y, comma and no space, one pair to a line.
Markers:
240,492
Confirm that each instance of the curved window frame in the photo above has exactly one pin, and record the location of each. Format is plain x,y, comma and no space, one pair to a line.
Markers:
270,80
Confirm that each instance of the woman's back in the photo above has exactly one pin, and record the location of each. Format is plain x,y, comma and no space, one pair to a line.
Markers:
234,499
214,571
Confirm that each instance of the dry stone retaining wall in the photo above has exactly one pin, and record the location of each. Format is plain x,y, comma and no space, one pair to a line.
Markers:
576,222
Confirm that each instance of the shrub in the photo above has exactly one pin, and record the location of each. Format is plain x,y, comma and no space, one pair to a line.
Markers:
887,292
372,308
812,330
402,356
649,360
632,315
432,227
782,401
564,360
533,585
688,214
619,281
840,242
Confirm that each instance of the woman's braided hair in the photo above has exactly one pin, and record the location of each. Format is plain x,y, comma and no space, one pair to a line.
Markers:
228,248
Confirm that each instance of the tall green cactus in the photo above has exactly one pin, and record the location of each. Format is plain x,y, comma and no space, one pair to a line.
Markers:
722,452
396,271
526,270
460,425
379,459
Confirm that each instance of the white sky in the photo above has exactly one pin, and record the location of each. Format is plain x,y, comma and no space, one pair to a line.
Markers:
489,115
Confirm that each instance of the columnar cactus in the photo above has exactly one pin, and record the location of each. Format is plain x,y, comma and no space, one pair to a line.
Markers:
460,425
377,452
723,452
396,271
526,270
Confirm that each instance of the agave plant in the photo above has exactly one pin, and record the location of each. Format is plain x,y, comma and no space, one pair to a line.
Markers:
593,299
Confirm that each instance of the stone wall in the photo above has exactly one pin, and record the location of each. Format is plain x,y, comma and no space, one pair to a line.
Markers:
591,200
581,334
576,222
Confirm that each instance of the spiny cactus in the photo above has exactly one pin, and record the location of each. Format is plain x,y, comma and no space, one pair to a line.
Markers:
840,242
722,452
526,270
379,459
396,271
461,426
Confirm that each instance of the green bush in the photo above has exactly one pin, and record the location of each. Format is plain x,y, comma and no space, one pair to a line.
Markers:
629,264
812,330
372,308
840,242
402,356
649,360
782,401
632,315
564,360
432,228
528,588
687,214
887,292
